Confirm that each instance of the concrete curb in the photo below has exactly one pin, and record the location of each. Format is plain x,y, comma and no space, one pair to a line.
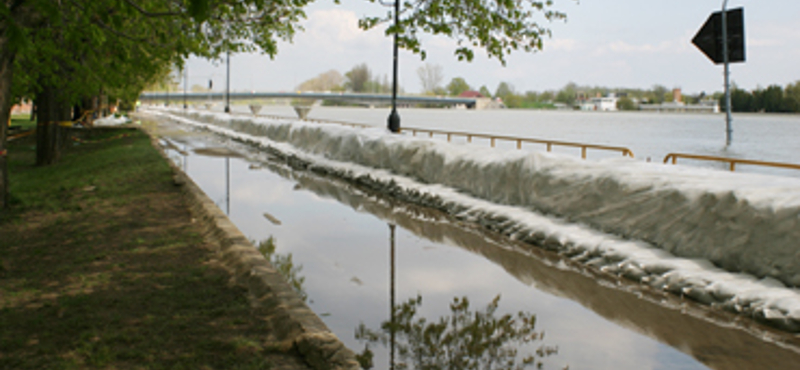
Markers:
293,323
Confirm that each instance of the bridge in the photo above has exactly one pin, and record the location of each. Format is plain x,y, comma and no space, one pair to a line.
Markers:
471,103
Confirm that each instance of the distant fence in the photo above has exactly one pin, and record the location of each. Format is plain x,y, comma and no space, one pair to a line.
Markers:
673,157
519,140
492,138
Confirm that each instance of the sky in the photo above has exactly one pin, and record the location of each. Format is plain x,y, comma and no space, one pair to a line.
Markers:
621,43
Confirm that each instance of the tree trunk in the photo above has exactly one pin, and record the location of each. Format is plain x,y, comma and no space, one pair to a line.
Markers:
6,73
52,109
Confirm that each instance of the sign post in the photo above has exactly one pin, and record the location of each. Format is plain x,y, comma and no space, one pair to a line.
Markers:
721,39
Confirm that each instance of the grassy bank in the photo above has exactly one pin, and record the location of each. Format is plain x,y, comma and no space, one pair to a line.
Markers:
102,267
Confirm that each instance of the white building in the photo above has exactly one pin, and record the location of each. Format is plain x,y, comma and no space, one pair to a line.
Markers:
603,104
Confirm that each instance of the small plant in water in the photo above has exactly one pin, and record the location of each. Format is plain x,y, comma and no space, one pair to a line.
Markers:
462,340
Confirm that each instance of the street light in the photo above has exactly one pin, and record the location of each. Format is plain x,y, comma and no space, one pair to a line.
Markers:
394,118
228,84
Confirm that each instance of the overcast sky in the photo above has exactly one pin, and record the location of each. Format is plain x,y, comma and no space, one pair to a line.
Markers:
612,43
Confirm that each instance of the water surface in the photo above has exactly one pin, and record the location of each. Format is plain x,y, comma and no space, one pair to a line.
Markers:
340,234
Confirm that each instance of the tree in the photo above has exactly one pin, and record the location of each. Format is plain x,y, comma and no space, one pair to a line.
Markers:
792,96
457,86
357,78
772,100
658,94
625,103
504,89
485,91
430,76
568,94
118,46
327,81
499,27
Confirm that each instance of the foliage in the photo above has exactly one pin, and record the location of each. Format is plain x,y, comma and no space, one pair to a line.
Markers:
625,103
485,91
328,81
285,266
773,99
463,340
568,94
498,27
457,86
357,78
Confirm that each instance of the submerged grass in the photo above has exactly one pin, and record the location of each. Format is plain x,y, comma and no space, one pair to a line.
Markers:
102,267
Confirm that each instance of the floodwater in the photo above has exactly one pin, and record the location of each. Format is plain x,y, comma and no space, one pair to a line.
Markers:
342,236
765,137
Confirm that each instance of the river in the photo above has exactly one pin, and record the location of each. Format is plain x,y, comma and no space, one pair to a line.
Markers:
766,137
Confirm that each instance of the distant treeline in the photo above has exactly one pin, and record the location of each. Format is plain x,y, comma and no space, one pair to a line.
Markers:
773,99
361,79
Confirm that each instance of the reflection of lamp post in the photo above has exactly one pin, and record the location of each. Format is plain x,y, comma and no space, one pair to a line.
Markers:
228,84
394,118
228,185
391,297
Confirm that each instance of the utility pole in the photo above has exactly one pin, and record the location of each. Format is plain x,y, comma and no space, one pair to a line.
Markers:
394,117
228,84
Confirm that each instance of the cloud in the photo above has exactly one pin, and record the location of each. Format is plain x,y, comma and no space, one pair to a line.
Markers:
562,44
335,30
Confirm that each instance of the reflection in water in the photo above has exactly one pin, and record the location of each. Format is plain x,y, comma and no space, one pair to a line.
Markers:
464,339
714,338
392,315
717,339
285,266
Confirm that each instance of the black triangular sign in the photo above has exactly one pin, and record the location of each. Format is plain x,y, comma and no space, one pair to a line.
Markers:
709,38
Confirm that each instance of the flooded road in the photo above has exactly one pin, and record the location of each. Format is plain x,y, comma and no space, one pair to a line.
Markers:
341,236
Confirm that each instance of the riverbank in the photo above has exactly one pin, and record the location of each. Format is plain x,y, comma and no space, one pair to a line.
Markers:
107,261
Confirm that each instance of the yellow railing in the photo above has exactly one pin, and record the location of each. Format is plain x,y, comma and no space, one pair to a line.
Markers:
493,138
731,161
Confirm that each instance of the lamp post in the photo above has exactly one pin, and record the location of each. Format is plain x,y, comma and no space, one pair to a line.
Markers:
228,84
394,118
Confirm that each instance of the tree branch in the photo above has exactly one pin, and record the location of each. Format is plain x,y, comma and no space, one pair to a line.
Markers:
117,32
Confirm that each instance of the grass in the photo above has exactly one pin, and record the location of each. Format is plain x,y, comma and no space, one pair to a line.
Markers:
101,267
23,121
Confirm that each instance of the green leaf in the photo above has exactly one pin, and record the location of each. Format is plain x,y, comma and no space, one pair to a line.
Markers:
200,10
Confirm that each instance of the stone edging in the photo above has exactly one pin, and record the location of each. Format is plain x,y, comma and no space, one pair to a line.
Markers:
291,320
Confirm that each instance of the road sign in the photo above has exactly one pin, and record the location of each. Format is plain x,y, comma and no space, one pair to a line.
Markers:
709,38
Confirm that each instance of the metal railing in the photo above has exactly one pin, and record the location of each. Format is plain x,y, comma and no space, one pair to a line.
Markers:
731,161
673,157
493,138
